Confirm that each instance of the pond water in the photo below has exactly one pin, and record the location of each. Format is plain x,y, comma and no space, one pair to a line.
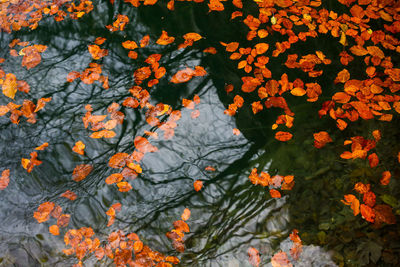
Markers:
229,214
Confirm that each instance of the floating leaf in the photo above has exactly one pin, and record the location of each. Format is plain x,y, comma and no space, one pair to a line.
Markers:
197,185
79,148
81,171
43,211
185,215
254,257
4,179
283,136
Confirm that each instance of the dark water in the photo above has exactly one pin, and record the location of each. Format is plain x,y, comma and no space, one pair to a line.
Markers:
230,214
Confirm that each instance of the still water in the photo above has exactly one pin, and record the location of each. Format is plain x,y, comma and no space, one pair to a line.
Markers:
229,214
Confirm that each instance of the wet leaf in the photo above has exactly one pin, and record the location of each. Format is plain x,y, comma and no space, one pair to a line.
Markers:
185,215
283,136
54,230
254,257
79,148
69,194
197,185
43,211
4,179
81,171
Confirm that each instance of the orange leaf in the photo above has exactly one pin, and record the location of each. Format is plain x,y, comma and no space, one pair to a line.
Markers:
182,76
343,76
275,193
69,194
298,91
192,36
43,211
362,109
280,259
138,246
341,97
4,179
124,186
197,185
385,180
367,213
103,133
42,146
165,39
118,160
321,138
283,136
143,145
81,171
254,256
185,215
373,160
261,48
10,85
231,47
131,45
79,148
114,178
54,230
236,131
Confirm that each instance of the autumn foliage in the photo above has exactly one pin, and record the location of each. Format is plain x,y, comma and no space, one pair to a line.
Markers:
365,86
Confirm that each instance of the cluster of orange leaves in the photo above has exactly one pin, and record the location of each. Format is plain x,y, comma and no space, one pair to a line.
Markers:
178,233
49,209
90,75
191,104
276,181
103,129
371,212
31,54
360,148
11,85
14,15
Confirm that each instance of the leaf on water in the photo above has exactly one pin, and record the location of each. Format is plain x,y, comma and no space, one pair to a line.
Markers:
280,259
143,145
118,160
130,45
321,139
275,193
79,148
42,213
165,39
81,171
385,180
124,186
185,215
42,146
283,136
9,85
4,179
54,230
69,194
254,257
197,185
